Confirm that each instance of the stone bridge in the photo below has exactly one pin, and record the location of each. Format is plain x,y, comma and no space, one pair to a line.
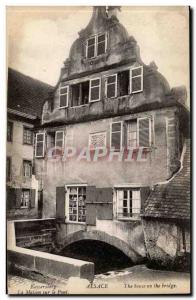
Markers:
127,237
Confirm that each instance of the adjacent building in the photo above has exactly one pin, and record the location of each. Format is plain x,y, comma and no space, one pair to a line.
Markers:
25,99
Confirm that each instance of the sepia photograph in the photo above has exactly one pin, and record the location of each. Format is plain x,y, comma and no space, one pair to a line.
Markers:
98,150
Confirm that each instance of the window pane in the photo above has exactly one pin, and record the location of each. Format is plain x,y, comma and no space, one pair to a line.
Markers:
27,136
116,127
95,93
91,51
111,91
111,79
101,48
91,41
116,140
136,72
39,149
101,37
136,84
95,82
40,137
59,134
63,90
63,100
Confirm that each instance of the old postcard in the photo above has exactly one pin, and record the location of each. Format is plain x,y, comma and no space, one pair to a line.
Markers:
98,150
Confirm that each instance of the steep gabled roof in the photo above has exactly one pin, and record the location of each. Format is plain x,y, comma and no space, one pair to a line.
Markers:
172,200
25,94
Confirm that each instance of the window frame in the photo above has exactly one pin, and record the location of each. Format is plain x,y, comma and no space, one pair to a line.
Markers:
8,170
90,87
44,139
12,129
26,161
67,93
97,133
29,200
63,139
131,77
150,131
106,85
128,189
67,214
96,45
121,137
29,129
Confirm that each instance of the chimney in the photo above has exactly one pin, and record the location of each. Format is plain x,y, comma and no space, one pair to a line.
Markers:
113,11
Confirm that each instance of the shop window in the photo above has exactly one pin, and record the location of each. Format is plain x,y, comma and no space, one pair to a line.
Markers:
25,198
76,199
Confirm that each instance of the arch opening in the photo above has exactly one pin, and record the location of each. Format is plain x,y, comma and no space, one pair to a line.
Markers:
104,256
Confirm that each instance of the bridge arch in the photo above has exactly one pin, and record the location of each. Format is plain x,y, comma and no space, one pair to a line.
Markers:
98,235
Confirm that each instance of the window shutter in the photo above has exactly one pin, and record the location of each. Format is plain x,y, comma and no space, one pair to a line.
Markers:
18,193
11,198
105,195
32,202
91,214
91,194
116,136
136,202
40,145
60,203
144,192
144,132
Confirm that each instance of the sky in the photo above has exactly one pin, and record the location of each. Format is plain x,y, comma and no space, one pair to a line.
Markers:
39,38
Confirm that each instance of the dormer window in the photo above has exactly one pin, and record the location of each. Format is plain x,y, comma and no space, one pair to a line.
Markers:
96,45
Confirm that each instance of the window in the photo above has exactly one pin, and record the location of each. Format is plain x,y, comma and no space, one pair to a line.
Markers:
96,45
40,144
8,168
136,80
27,168
25,199
116,136
144,132
139,133
128,203
27,136
76,203
79,94
123,83
97,140
63,95
9,131
95,88
59,139
132,134
111,86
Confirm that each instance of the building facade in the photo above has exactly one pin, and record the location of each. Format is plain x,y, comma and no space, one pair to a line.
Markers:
112,130
24,106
